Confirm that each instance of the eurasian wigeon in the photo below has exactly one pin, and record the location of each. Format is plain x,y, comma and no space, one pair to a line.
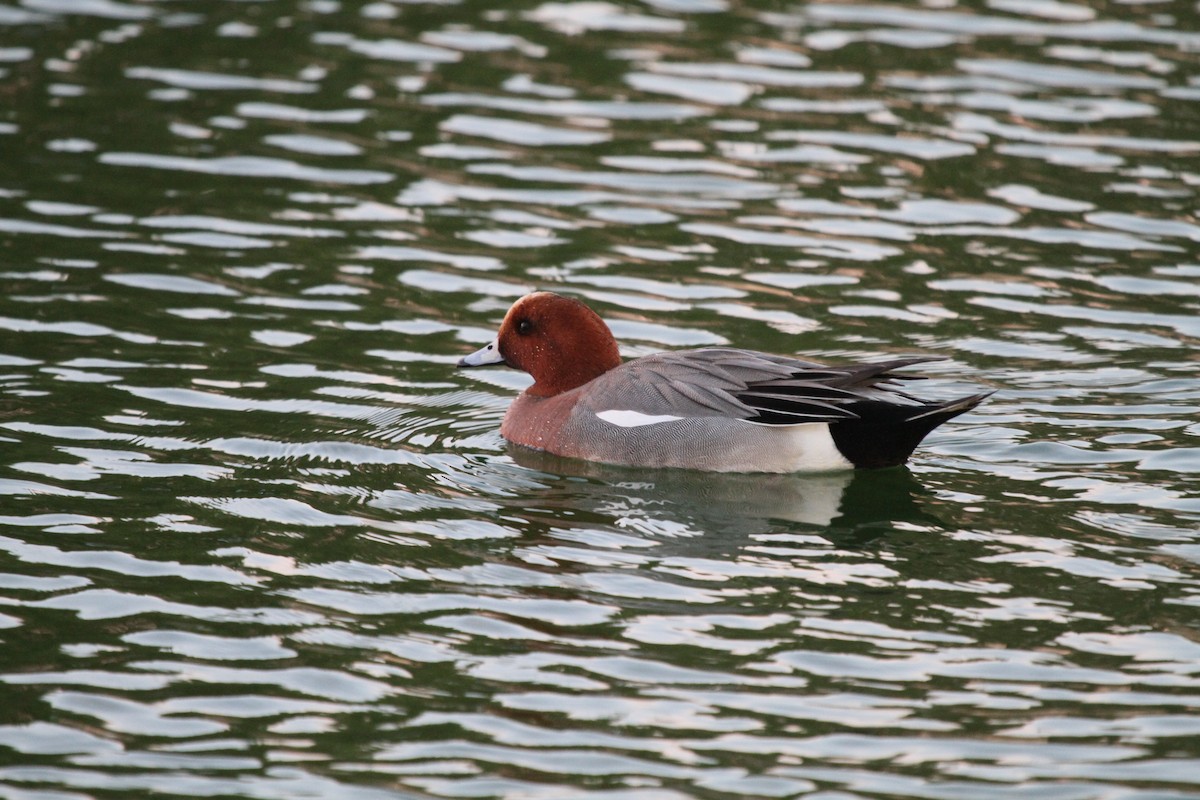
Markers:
719,409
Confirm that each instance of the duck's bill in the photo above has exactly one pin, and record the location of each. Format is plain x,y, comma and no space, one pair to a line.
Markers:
489,354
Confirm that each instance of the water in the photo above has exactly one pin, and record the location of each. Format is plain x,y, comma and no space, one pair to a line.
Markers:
260,539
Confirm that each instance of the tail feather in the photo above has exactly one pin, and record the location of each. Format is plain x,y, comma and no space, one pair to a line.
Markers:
945,411
885,435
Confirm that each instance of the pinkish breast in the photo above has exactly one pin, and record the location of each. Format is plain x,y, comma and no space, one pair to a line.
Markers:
537,422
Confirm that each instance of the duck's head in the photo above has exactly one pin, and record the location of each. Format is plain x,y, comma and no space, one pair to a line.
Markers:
558,340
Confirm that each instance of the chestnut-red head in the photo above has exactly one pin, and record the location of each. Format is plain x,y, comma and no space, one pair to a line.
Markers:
558,340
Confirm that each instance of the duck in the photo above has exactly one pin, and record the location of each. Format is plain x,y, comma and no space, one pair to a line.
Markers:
716,409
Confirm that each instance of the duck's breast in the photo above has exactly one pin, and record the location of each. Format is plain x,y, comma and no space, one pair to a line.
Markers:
538,422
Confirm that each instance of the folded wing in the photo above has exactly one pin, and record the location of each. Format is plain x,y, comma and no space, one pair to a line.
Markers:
756,387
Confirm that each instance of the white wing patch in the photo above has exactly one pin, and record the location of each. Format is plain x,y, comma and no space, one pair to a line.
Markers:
633,419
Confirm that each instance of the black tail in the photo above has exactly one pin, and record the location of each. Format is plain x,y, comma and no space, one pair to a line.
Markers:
885,434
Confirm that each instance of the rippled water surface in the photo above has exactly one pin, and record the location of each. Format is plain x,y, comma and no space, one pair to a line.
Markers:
260,538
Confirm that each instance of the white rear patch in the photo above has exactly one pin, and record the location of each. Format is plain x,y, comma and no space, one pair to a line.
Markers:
812,447
633,419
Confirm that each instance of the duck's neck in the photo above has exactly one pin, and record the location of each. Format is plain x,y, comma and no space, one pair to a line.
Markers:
567,371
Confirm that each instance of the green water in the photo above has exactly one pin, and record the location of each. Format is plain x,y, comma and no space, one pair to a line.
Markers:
260,539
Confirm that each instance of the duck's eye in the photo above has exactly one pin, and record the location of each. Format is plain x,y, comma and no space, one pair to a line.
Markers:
524,327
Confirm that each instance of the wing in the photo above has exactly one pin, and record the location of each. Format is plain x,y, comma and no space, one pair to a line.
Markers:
741,384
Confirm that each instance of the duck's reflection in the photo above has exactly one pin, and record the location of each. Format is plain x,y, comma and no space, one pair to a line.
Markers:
860,504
